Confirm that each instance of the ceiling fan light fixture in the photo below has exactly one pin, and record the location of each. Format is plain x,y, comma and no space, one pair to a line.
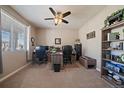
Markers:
58,16
58,20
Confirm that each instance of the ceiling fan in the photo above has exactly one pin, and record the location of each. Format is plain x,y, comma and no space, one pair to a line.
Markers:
58,16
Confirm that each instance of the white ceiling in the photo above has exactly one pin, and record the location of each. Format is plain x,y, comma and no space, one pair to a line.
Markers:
37,13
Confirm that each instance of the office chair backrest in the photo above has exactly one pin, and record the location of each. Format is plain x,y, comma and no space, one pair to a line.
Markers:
40,52
46,47
67,50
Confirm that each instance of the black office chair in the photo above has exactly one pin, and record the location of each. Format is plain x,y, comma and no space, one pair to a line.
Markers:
40,54
67,53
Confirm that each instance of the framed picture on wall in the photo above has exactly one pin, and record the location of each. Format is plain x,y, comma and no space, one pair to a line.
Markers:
91,35
57,40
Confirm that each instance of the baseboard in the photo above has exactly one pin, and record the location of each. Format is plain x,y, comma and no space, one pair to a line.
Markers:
29,60
98,69
14,72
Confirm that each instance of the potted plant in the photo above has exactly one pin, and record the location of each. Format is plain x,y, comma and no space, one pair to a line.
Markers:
117,35
115,17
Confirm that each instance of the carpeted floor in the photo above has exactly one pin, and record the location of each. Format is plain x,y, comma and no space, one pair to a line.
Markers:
41,76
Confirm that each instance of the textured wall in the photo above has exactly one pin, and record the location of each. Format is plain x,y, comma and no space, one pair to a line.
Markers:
47,37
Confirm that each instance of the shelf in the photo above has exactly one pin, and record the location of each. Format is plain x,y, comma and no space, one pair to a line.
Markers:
119,74
121,23
106,59
112,61
113,82
112,41
112,50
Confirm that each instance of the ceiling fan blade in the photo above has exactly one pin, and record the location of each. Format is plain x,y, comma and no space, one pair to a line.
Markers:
65,21
66,14
48,18
53,12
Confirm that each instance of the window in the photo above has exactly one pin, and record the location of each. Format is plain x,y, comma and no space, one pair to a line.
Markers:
13,33
20,41
20,37
5,40
6,32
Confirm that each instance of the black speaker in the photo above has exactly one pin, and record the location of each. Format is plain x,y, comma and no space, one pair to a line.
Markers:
78,49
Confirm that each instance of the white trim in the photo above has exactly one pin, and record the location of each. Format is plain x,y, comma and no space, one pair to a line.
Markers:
98,69
14,72
28,43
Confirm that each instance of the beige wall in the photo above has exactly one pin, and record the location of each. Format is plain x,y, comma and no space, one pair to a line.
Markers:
92,47
15,59
47,37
